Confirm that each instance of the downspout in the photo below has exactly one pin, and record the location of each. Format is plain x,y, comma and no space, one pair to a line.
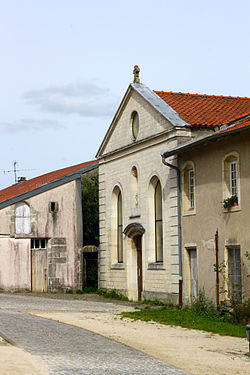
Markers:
179,223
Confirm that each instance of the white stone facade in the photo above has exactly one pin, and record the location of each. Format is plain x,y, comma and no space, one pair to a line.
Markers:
119,156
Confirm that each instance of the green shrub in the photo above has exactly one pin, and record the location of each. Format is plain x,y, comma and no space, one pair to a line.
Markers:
79,291
241,312
204,306
69,291
111,293
89,289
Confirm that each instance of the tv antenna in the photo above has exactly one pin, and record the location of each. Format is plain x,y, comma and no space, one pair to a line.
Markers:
15,170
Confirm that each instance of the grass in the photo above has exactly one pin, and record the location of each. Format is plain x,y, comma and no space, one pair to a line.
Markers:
112,293
187,319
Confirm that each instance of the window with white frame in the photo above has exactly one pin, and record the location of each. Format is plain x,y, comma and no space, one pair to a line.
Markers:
231,180
22,218
188,183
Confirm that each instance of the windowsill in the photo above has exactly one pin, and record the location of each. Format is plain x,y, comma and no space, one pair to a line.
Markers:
232,209
189,213
156,266
21,235
117,266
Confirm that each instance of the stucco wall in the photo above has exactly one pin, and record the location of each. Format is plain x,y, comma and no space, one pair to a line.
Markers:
62,230
233,225
15,264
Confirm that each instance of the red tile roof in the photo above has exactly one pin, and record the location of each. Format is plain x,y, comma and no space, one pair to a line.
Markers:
239,124
36,182
206,110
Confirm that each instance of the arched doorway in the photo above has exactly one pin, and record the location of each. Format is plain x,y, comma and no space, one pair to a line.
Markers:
135,231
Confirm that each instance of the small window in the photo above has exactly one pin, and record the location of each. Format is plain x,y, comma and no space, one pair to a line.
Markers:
233,178
53,207
191,188
38,243
135,124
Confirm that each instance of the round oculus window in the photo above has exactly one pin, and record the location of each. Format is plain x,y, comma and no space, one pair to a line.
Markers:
135,124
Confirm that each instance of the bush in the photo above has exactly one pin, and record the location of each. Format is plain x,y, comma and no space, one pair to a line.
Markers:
241,312
69,291
112,293
204,306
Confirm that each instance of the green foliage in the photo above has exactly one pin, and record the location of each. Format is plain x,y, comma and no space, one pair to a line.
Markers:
204,306
89,289
188,319
112,293
90,209
69,291
229,202
241,312
79,291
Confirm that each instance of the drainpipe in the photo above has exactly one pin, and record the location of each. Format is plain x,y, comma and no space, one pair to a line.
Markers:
179,223
217,268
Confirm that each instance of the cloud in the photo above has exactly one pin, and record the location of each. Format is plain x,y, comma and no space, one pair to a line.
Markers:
84,99
29,124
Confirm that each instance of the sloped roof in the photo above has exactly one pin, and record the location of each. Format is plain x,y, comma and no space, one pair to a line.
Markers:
238,127
35,183
206,110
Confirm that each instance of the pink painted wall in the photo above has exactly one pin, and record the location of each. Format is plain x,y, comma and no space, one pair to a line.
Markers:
15,263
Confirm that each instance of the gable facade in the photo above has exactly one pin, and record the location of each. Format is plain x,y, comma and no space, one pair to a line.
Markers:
131,172
141,248
41,233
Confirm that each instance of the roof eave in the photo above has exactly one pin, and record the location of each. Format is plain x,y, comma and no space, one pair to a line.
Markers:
48,185
209,138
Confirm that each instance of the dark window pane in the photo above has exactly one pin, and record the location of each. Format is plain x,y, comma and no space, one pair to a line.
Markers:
43,244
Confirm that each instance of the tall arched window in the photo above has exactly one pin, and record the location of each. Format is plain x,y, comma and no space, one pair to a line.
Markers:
119,229
158,223
22,218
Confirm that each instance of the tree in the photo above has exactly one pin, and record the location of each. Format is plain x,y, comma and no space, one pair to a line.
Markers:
90,209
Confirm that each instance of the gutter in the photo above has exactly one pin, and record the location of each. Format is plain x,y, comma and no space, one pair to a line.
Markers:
179,223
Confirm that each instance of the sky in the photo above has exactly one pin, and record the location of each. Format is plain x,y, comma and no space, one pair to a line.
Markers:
66,64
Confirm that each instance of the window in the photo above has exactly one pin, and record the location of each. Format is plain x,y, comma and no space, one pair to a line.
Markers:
188,195
234,274
22,218
233,178
231,181
38,244
191,188
135,124
53,207
158,223
119,229
134,191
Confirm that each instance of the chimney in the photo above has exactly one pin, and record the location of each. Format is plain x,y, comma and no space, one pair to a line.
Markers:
21,179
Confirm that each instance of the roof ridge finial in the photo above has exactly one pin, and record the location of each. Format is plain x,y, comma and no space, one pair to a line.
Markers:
136,72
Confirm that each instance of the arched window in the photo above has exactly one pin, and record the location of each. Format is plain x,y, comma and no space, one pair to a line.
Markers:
22,218
188,196
134,191
158,223
231,173
119,229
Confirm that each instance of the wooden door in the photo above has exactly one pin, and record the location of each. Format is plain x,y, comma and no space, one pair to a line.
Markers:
193,274
39,270
139,265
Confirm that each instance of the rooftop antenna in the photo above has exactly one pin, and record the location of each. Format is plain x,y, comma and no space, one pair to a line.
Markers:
15,170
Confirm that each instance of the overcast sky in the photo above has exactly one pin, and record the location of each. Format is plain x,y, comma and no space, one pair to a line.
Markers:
66,64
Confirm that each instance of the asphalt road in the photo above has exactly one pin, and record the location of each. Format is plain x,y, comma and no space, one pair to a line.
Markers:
67,349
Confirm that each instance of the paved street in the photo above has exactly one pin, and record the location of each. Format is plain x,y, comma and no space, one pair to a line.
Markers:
67,349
